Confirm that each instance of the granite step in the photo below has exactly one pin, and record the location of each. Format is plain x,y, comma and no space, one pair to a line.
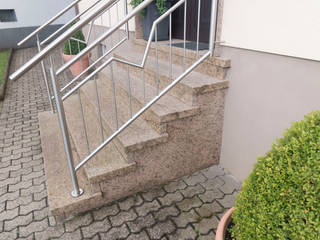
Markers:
135,137
192,85
58,182
106,164
167,109
213,66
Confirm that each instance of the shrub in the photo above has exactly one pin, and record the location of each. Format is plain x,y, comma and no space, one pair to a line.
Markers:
281,197
74,44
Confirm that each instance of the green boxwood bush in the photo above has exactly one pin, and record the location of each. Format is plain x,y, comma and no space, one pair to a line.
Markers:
74,44
280,200
161,5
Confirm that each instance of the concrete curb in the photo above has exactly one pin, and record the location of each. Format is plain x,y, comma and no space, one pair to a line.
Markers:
5,76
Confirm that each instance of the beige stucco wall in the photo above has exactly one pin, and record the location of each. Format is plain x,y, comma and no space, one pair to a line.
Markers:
105,20
288,27
267,93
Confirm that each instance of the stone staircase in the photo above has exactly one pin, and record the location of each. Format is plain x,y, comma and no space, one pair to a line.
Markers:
178,135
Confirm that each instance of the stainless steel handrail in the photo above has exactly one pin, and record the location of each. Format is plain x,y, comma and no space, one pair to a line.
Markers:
62,38
35,32
125,20
68,23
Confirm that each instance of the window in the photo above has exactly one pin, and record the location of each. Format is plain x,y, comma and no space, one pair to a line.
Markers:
8,15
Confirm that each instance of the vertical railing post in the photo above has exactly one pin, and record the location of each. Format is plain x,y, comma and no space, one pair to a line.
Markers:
125,14
45,76
65,135
213,23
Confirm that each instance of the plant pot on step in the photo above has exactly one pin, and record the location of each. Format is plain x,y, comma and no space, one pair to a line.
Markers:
151,14
79,65
223,225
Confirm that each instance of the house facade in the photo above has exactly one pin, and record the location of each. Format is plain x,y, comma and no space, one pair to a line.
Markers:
19,18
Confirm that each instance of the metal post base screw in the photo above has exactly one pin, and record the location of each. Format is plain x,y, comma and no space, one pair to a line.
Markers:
75,195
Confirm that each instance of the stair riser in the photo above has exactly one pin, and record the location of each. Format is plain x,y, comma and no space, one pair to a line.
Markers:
213,67
180,91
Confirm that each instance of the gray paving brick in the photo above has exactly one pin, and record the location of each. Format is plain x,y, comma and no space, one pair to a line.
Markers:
213,172
206,225
96,227
228,200
141,223
166,212
33,227
191,191
184,234
211,195
115,233
171,198
129,202
195,179
175,186
185,218
25,209
160,229
189,203
147,207
209,209
50,233
122,217
79,221
139,236
106,211
151,194
230,184
18,221
71,235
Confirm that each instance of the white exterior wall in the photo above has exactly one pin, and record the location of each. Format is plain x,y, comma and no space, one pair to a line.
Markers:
104,21
286,27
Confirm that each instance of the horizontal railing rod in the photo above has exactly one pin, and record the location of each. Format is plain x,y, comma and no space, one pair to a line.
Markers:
145,108
93,64
68,23
35,32
61,39
78,40
135,11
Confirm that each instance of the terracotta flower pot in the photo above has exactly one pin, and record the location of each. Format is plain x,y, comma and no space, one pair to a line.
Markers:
223,224
79,65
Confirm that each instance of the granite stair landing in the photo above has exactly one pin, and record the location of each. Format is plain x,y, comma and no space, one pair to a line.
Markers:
178,135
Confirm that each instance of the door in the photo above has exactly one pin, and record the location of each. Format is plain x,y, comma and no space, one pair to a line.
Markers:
192,21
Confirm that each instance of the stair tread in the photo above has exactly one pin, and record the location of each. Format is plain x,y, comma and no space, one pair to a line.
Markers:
135,136
58,180
193,80
167,108
109,159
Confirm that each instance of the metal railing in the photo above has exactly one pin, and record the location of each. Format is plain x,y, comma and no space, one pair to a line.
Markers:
60,97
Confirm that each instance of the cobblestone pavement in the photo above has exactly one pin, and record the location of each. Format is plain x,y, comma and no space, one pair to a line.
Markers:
188,208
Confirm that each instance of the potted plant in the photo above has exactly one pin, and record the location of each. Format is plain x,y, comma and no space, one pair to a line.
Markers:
71,49
281,197
150,14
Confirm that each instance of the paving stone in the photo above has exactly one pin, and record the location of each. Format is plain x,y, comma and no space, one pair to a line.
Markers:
50,233
228,200
40,195
209,209
189,203
210,195
25,209
160,229
20,185
166,212
195,179
212,184
185,218
33,227
206,225
230,184
110,210
41,214
191,191
78,221
9,235
139,236
9,214
209,236
213,172
129,202
151,194
33,189
122,217
71,235
96,227
116,233
147,207
171,198
18,221
11,182
184,234
19,201
140,223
